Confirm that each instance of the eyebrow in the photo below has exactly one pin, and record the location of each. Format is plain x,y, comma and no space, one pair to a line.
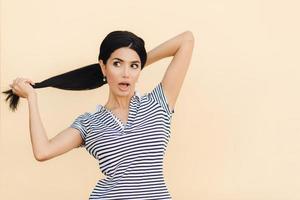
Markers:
135,61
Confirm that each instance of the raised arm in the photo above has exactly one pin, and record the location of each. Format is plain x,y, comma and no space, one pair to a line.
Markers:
181,48
43,148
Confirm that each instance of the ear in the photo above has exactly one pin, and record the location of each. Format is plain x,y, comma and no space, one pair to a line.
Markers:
103,67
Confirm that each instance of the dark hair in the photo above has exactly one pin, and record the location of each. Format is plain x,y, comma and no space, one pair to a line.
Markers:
90,76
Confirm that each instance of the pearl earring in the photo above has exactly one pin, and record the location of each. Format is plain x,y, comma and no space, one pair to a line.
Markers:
104,79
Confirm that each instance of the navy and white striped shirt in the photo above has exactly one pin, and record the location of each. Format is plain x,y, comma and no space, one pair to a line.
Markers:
130,155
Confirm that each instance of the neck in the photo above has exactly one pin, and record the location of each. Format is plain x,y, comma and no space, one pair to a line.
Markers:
118,102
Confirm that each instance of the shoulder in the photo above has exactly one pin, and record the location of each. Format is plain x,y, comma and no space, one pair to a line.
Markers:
89,115
158,95
84,117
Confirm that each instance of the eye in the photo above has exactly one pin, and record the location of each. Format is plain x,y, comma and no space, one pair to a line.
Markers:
136,66
115,63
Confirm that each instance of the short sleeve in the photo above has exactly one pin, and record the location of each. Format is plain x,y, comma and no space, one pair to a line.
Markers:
159,96
81,124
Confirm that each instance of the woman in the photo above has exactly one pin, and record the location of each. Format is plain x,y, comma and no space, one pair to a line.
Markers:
130,133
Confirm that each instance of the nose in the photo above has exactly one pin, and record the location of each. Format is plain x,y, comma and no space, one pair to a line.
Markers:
126,71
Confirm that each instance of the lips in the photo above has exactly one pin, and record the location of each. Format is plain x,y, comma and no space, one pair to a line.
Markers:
124,85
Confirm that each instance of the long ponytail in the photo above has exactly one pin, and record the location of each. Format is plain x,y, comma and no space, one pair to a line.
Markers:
90,76
84,78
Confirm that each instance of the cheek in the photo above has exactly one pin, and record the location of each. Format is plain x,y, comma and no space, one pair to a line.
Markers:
113,74
136,76
113,78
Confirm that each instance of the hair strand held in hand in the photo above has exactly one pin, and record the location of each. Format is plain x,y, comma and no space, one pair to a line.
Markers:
91,76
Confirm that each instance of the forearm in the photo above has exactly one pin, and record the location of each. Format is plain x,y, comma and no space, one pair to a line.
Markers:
167,48
38,136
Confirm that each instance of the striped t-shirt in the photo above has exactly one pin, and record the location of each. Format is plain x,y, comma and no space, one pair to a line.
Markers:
130,155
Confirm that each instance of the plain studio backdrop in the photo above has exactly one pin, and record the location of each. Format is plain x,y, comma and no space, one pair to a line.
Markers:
235,131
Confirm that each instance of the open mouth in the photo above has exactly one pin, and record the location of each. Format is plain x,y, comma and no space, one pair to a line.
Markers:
124,86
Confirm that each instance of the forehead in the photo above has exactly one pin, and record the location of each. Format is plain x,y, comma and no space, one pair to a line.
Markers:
125,54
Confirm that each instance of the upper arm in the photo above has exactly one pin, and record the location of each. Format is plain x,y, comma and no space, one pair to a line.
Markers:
63,142
72,137
176,71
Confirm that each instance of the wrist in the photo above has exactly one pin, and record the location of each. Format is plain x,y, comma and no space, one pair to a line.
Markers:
32,96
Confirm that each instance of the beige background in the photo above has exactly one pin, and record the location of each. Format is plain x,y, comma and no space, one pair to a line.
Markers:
235,131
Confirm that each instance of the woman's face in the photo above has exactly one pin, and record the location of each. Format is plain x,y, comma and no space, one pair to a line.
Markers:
123,66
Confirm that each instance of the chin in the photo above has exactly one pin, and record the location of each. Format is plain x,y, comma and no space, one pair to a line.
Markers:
123,93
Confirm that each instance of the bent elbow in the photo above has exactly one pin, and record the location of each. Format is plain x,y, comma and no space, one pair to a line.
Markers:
40,157
189,36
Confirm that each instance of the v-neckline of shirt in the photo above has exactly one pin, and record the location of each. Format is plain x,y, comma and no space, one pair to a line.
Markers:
115,118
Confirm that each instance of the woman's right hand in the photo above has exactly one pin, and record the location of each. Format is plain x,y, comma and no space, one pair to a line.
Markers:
22,87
